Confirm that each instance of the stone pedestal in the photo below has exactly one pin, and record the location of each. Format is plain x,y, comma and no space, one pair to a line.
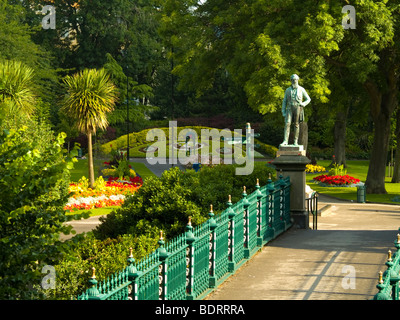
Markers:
291,150
292,161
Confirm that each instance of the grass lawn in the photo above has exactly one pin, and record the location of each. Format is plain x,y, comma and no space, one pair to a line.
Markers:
357,169
81,169
96,212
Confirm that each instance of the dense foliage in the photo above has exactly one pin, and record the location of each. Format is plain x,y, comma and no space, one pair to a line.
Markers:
107,256
34,179
166,203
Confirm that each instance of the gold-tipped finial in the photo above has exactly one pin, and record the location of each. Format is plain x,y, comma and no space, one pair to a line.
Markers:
229,198
258,182
389,255
380,277
190,221
211,208
93,273
398,238
244,188
161,235
130,252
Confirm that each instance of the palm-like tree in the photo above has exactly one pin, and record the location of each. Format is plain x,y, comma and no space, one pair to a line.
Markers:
16,88
90,96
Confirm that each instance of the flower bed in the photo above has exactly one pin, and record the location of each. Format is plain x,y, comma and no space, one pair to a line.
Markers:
105,194
310,168
87,203
337,181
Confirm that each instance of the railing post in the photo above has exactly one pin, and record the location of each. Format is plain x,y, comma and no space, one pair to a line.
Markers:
231,236
381,295
133,274
213,247
271,202
93,292
163,281
392,275
259,215
282,204
395,269
190,238
246,222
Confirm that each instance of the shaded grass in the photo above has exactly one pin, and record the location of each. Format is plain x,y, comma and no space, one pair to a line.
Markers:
81,169
95,212
357,169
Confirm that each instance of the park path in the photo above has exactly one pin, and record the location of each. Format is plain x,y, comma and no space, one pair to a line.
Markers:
339,261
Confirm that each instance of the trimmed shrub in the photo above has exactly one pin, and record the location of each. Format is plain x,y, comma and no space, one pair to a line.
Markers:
166,203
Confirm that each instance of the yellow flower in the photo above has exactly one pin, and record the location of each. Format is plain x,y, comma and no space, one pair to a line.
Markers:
310,168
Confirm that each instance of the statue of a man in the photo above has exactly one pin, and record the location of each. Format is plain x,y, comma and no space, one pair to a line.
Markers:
292,108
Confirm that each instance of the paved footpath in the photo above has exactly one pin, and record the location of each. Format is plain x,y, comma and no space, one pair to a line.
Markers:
352,240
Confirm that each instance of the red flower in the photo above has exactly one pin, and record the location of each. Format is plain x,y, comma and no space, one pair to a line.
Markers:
337,180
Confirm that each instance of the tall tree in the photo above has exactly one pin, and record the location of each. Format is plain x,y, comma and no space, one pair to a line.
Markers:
90,97
375,59
16,44
396,169
261,43
16,89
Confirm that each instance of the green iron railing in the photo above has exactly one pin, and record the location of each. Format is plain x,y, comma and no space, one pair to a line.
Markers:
388,283
193,264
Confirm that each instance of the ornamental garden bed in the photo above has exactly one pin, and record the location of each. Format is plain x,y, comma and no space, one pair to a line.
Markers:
336,177
357,169
105,193
139,144
121,181
313,168
337,181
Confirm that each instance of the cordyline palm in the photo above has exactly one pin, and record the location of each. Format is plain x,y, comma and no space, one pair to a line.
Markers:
16,88
91,95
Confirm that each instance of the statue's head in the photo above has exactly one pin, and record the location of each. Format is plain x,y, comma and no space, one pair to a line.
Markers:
294,79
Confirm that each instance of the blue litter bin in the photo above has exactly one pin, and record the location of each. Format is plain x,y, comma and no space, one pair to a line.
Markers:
196,166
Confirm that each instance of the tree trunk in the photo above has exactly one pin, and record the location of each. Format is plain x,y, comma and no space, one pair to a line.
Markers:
90,160
396,171
375,183
382,107
340,137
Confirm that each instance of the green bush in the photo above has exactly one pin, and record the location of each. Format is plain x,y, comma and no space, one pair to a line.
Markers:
160,204
107,257
165,203
34,175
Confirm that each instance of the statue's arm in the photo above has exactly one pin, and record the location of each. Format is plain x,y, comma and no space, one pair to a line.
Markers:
307,98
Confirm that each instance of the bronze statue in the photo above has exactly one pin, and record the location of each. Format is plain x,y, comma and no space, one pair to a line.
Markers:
292,108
